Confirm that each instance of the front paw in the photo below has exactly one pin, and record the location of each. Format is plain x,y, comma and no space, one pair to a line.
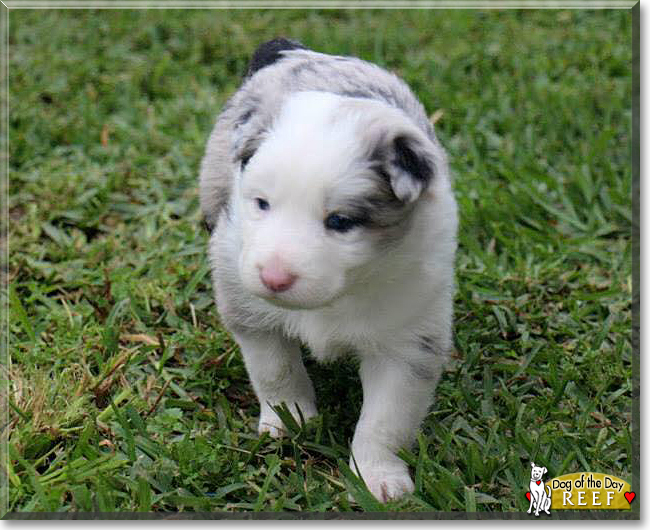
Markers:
386,481
389,486
271,423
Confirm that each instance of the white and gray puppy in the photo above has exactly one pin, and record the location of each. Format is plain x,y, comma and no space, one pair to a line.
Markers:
333,225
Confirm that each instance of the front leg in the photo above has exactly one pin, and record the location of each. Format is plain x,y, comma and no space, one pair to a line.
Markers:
397,391
538,502
278,375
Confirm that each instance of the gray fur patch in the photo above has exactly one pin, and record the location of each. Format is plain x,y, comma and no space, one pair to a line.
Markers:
430,345
428,367
374,93
423,371
302,69
243,118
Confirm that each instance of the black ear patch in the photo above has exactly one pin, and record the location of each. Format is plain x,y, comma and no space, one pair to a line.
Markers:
245,157
406,162
269,52
408,159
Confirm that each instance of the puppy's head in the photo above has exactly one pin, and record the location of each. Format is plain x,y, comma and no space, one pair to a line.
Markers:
330,185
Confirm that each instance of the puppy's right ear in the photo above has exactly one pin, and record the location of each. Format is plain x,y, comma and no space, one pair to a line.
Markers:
249,130
246,152
532,464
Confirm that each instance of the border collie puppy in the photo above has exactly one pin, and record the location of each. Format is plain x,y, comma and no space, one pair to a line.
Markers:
333,224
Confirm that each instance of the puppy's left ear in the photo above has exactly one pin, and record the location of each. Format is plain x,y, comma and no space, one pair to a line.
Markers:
544,470
407,161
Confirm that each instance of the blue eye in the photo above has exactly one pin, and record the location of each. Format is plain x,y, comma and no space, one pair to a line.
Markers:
262,204
340,223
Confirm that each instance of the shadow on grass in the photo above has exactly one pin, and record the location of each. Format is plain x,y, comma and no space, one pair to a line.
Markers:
338,394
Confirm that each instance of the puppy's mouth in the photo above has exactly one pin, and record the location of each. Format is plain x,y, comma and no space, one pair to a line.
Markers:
286,301
294,299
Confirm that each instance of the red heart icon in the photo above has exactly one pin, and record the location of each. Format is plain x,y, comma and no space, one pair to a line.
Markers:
538,482
629,495
528,495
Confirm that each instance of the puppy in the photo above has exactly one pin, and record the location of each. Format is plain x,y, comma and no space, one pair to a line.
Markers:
333,225
540,495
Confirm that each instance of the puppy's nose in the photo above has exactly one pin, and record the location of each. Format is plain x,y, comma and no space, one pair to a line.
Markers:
276,278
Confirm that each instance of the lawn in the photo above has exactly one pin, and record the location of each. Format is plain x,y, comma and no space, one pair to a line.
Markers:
126,394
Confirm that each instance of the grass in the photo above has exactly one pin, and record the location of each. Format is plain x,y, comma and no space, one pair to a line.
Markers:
125,392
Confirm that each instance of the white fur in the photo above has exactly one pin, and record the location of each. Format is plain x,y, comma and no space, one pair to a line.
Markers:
350,294
292,231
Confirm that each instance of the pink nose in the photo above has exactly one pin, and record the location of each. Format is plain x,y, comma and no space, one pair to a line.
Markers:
277,278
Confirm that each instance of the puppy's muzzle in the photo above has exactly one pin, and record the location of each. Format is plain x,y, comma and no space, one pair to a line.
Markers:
276,276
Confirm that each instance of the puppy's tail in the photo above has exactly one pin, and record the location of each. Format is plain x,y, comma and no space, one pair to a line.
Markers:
549,491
